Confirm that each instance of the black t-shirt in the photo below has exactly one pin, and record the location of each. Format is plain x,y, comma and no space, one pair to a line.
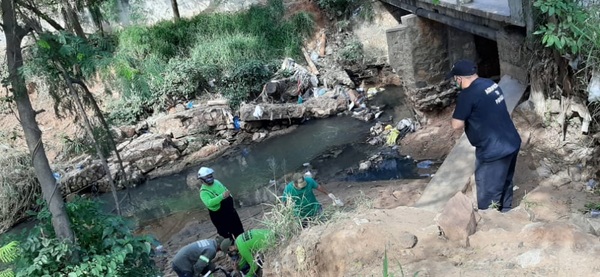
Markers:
487,123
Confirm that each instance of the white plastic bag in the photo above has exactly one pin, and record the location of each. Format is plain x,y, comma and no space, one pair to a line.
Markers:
258,112
594,87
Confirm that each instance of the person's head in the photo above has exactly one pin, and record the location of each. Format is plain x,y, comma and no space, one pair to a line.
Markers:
464,73
229,248
298,181
206,175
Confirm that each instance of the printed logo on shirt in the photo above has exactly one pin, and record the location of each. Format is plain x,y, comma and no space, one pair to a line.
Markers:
494,88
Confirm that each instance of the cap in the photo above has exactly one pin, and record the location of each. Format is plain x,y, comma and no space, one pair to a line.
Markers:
462,68
299,181
204,171
225,244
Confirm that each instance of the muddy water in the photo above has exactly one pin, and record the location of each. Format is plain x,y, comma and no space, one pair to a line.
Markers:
330,146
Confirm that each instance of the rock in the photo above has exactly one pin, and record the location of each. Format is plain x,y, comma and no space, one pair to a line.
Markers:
458,221
150,151
117,133
259,136
407,240
128,131
364,166
194,121
544,171
586,223
271,112
554,106
530,258
575,173
324,106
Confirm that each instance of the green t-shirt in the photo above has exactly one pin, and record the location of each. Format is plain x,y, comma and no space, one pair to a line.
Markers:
249,244
305,201
212,195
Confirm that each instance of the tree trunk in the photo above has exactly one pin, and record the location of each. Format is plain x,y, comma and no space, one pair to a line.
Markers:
33,135
72,18
88,128
175,7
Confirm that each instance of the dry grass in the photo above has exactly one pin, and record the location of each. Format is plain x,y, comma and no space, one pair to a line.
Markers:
18,187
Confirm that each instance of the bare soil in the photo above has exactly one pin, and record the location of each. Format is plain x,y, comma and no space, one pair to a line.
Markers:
542,236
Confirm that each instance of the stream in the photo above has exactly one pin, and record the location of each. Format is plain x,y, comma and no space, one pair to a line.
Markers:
327,147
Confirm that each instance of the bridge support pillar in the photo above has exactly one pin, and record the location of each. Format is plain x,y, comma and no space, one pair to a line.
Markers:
417,50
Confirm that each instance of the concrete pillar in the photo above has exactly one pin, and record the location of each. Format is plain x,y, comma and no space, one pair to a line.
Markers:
513,54
417,50
461,45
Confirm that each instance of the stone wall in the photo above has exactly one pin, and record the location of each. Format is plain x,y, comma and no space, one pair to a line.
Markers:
513,54
418,51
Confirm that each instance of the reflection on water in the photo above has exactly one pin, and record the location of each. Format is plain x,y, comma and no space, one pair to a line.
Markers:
330,145
251,167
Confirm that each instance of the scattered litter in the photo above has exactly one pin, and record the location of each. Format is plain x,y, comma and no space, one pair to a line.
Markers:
306,164
591,185
426,175
360,221
515,188
236,122
57,176
594,87
595,213
392,137
425,164
189,105
258,112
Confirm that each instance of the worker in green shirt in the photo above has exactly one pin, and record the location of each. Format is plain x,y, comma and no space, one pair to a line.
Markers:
300,192
246,247
219,202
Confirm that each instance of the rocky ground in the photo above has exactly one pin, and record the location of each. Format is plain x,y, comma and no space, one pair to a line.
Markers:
546,234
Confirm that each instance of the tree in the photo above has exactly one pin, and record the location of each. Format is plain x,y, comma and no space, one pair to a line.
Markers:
175,7
14,34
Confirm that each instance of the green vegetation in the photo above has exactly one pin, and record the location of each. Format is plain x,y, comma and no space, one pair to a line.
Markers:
161,65
345,9
572,29
386,272
105,246
8,254
352,53
19,187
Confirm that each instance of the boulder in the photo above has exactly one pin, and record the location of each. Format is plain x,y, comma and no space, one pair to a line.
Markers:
458,220
149,151
265,111
193,121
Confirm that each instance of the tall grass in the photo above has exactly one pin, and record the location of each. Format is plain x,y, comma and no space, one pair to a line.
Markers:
223,42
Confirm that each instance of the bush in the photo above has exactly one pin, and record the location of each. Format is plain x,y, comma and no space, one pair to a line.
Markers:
246,80
157,66
352,53
105,246
345,9
18,187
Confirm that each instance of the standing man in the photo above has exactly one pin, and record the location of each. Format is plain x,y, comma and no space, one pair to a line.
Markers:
246,248
195,258
219,202
481,111
300,192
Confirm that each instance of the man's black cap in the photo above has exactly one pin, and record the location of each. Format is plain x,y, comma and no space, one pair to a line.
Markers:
462,68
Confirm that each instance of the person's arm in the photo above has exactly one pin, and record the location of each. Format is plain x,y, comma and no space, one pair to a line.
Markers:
210,199
316,185
457,124
246,256
462,111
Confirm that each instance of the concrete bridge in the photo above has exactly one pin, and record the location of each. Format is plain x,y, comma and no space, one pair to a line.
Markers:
431,37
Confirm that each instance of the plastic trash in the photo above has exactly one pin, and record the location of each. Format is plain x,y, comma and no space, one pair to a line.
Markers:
595,213
591,184
424,164
392,137
300,100
308,174
258,112
593,88
57,176
236,122
189,105
336,201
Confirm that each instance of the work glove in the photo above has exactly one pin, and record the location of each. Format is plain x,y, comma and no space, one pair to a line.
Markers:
336,201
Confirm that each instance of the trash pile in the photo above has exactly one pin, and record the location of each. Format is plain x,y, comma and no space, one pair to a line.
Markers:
389,134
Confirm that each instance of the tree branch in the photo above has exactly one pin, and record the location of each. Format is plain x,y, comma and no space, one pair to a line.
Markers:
42,15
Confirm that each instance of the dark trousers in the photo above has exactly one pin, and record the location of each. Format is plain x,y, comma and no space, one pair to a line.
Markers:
494,182
226,220
181,273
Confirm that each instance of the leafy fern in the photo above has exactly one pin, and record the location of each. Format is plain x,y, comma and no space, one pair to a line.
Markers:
8,254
